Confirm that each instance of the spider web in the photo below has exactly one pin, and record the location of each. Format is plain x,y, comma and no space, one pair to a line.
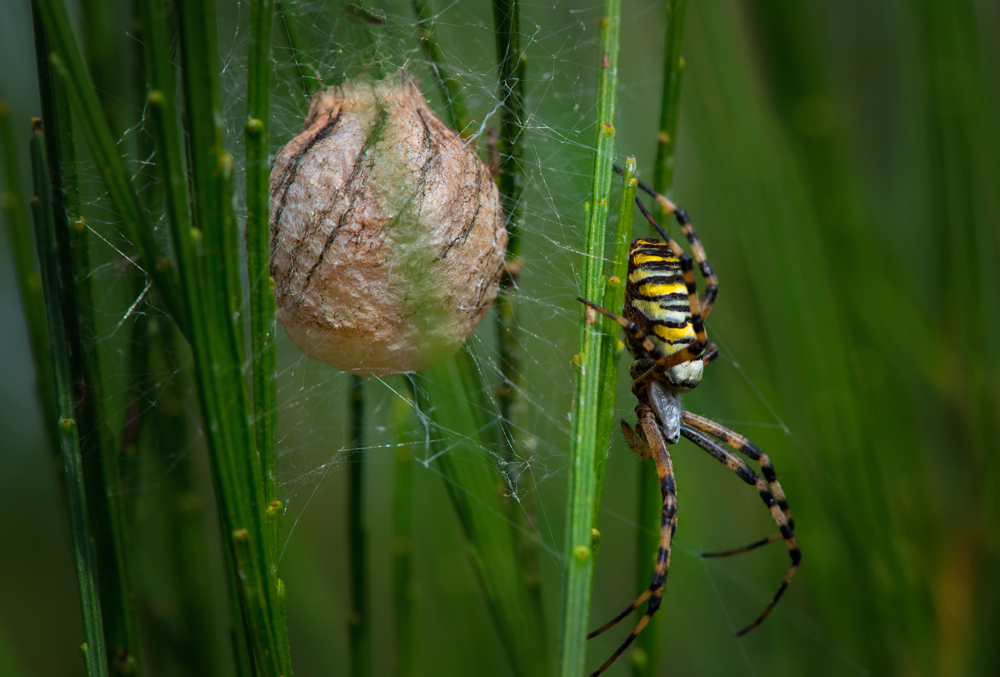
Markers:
560,41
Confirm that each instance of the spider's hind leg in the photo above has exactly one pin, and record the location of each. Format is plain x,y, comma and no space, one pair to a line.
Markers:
647,437
703,432
748,448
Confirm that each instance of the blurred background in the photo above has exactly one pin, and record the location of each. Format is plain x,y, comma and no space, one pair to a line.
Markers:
842,163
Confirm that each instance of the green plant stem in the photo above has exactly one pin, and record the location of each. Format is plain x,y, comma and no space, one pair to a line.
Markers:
456,114
102,470
359,625
165,128
262,324
587,439
29,282
210,280
646,656
511,62
614,300
402,540
506,17
673,76
95,655
67,60
236,464
509,393
451,395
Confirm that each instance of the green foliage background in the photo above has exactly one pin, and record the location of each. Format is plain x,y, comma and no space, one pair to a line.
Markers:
842,163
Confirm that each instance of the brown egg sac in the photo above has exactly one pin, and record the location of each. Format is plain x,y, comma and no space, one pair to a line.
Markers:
387,237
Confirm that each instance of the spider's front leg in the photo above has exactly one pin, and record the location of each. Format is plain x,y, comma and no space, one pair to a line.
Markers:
647,441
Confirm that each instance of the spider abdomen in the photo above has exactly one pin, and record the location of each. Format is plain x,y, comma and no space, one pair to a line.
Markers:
656,299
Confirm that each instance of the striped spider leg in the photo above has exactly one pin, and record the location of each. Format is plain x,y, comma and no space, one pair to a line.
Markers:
707,434
647,441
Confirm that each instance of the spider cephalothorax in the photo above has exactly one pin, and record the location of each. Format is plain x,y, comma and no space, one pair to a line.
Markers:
664,323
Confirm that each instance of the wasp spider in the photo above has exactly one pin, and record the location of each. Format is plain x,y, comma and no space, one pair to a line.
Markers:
664,327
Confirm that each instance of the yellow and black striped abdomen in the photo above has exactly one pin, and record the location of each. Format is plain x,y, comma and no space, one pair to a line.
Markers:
656,297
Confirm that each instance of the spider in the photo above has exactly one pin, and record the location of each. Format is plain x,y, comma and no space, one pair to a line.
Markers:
664,326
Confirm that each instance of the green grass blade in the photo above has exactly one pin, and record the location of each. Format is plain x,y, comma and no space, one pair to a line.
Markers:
262,321
511,62
308,72
673,76
104,54
456,114
402,540
359,626
588,442
95,654
102,472
614,300
447,394
511,404
210,275
236,465
165,128
29,282
67,61
262,324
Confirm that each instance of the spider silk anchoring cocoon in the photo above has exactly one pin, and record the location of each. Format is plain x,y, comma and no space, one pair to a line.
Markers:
387,237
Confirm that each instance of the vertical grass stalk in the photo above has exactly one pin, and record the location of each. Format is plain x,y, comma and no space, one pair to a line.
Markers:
614,300
647,651
510,60
456,114
308,73
452,396
402,540
359,623
67,61
236,463
29,282
257,133
209,310
165,127
587,440
673,76
512,65
95,654
102,471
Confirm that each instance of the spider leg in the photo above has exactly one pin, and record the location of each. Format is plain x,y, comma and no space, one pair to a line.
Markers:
746,548
662,360
738,466
636,442
711,281
744,446
710,354
653,442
